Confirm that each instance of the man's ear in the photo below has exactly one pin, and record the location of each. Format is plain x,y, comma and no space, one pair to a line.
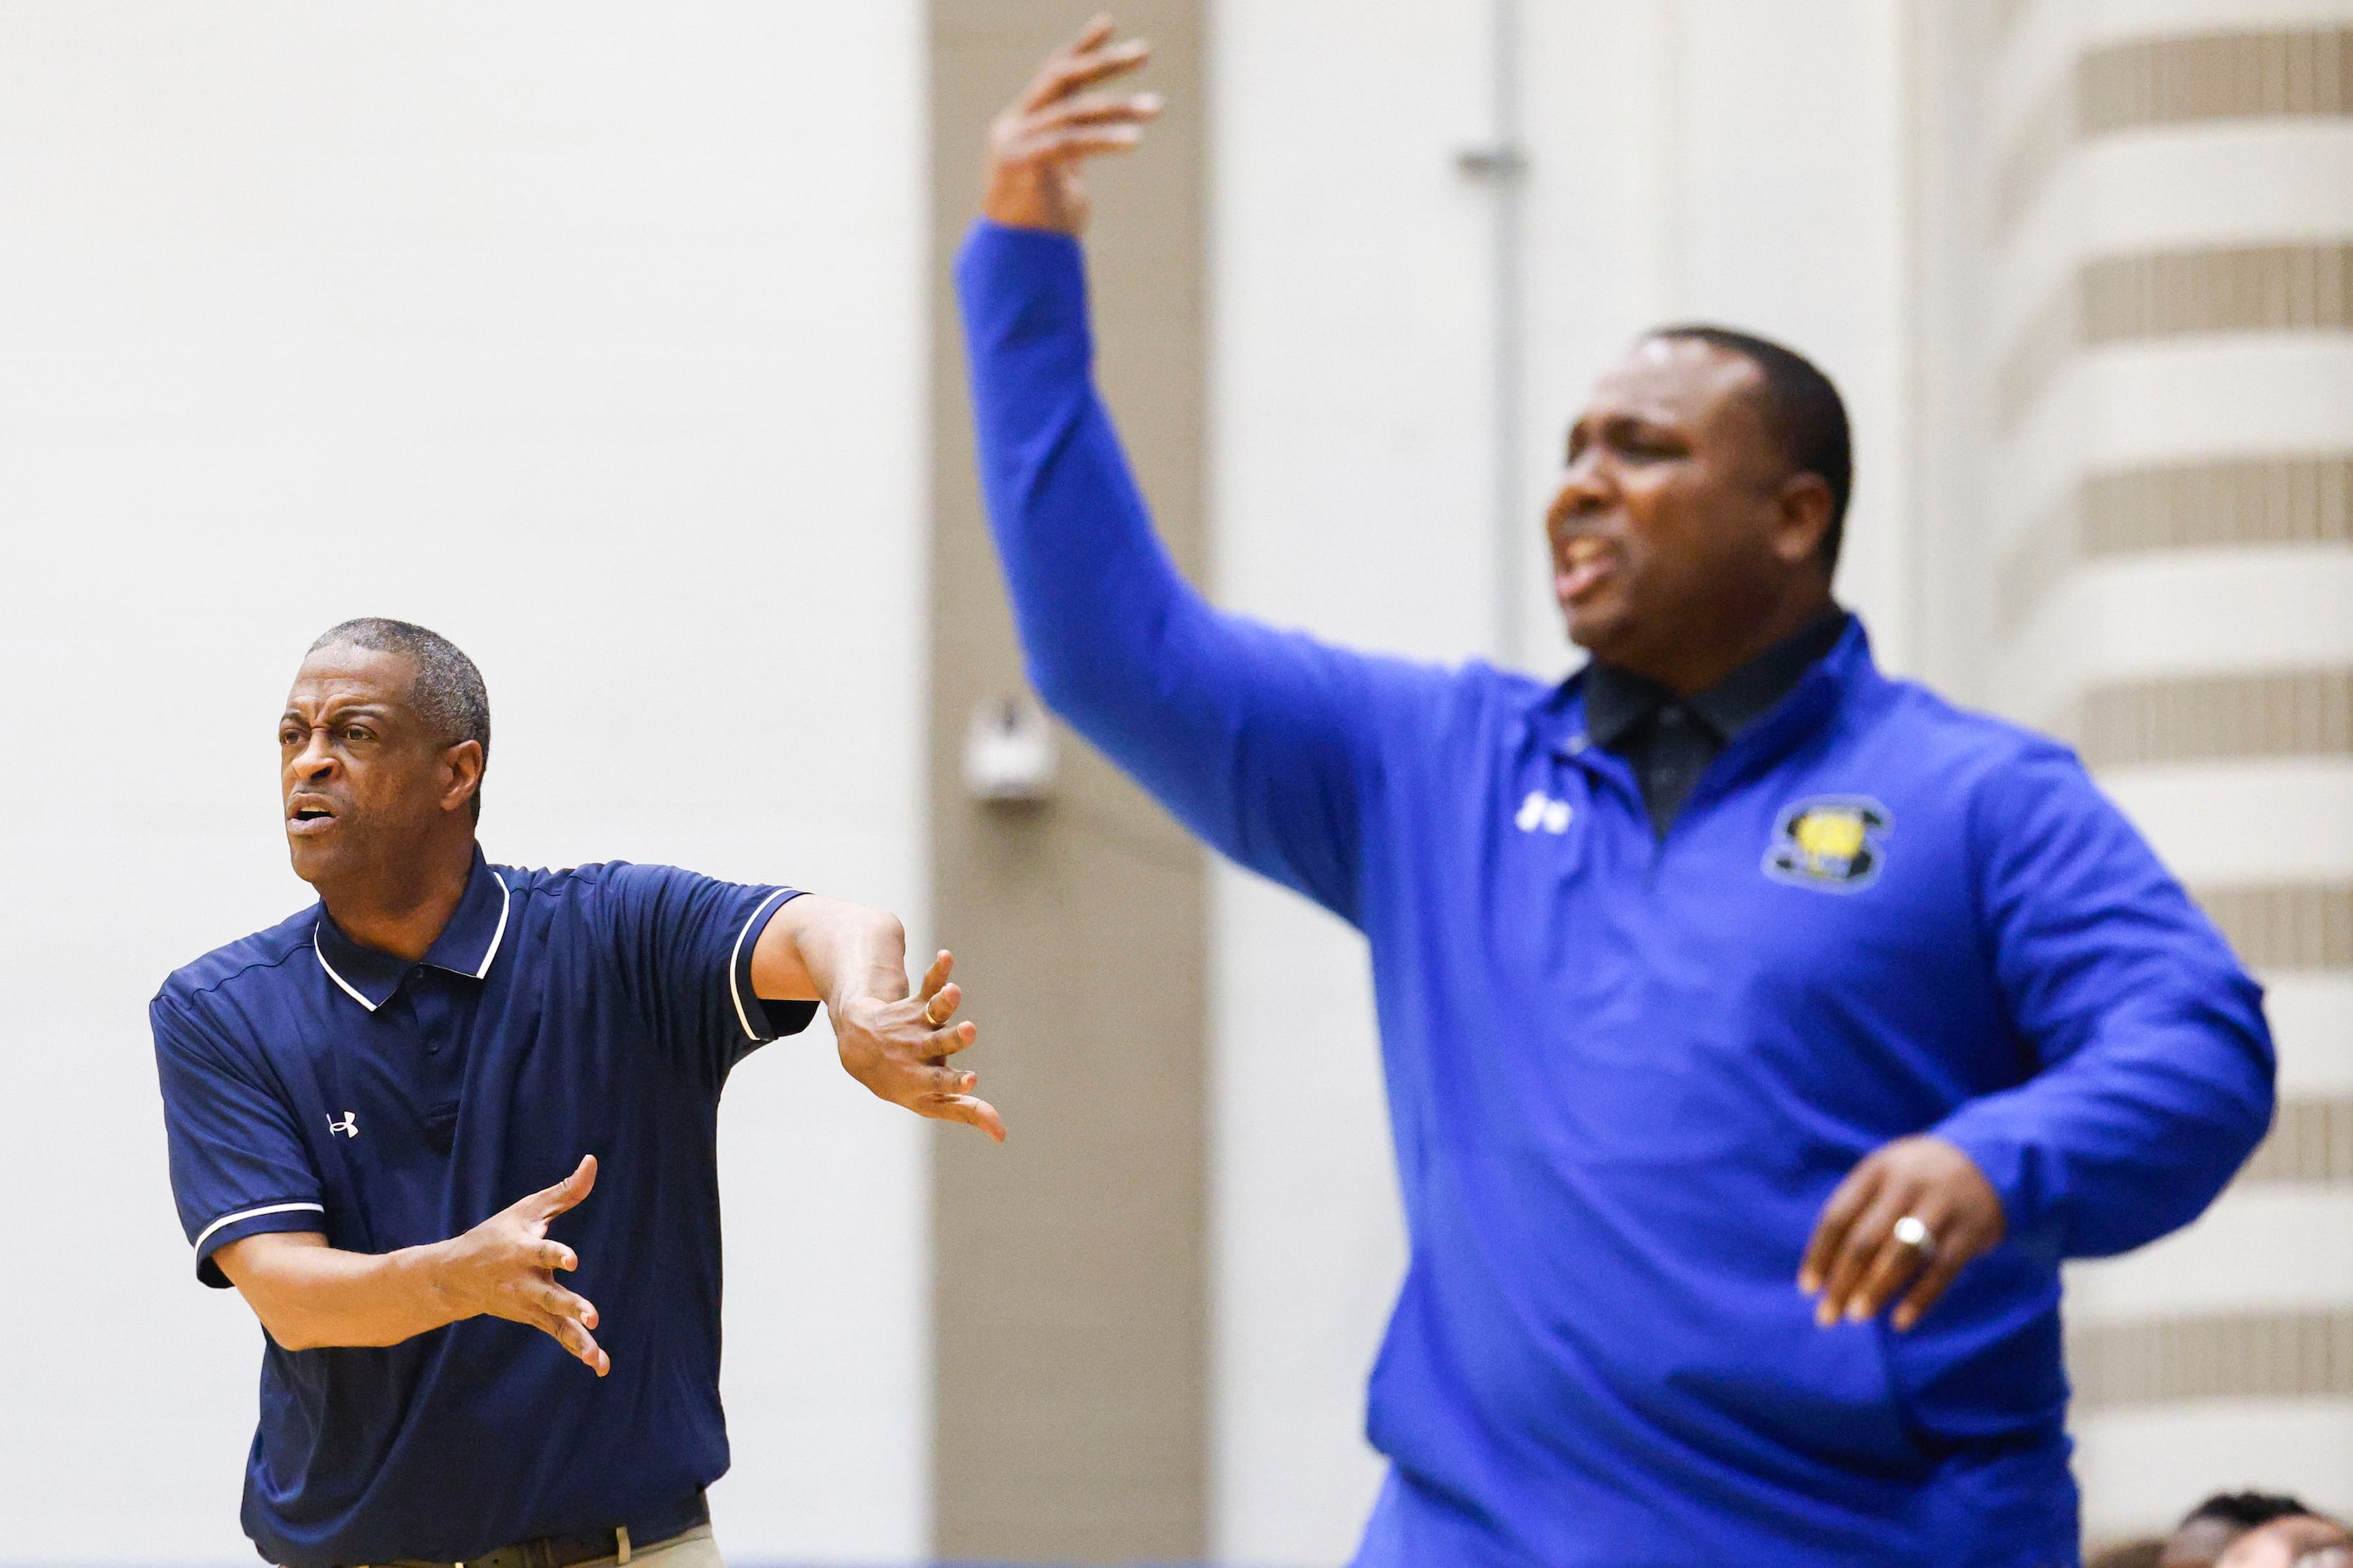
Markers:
464,762
1804,518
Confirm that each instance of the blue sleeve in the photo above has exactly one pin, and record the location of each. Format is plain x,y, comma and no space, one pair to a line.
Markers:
685,943
2153,1064
239,1166
1258,739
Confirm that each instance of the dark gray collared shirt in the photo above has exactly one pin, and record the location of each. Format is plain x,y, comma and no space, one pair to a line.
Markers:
1671,740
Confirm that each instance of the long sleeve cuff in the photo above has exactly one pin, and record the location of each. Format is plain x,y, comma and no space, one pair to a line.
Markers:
2016,1168
1020,285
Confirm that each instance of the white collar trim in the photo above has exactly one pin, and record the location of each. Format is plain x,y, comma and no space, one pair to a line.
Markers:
497,935
349,989
506,903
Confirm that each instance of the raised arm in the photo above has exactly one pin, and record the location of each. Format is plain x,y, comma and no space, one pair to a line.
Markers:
1258,739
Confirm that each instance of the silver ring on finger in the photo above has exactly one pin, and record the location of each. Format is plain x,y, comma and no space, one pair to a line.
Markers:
1912,1231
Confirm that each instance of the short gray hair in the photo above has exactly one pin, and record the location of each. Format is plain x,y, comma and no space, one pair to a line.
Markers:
447,689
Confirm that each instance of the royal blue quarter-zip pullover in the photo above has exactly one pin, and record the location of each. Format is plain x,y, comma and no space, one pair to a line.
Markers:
1625,1070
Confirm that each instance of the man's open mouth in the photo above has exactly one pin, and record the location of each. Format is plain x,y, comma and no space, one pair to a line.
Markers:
1584,561
308,818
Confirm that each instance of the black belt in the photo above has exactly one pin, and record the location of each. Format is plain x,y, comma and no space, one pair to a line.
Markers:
649,1530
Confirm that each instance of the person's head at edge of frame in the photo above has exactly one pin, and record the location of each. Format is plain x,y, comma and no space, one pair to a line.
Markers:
382,747
2299,1540
1700,510
2209,1529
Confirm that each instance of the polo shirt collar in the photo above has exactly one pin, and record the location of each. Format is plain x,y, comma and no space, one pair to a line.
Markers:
467,946
1617,701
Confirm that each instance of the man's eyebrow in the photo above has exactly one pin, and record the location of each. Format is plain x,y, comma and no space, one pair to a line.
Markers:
346,708
1621,419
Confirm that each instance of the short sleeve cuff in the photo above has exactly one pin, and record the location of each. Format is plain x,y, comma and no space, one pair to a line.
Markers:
286,1215
760,1019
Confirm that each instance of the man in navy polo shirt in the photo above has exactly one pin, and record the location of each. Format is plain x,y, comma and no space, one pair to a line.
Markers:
397,1116
1760,1033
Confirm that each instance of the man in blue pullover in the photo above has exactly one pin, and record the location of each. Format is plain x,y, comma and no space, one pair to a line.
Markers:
1760,1032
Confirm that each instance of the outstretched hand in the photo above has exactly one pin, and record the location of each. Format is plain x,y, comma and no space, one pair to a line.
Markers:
1913,1214
1036,146
505,1268
900,1050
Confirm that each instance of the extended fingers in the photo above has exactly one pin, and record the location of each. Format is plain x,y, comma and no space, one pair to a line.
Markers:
1893,1264
966,1109
1838,1216
1075,142
941,1001
1858,1252
558,1302
936,977
1096,109
1092,36
574,1336
1929,1287
947,1042
1087,60
946,1080
549,1202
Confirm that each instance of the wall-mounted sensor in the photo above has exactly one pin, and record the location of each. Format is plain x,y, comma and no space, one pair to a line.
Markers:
1008,750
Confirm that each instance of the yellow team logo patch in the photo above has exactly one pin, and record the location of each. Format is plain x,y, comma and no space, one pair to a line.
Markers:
1834,843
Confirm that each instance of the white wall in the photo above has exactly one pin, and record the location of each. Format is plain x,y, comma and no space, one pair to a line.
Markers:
589,336
1744,165
1703,158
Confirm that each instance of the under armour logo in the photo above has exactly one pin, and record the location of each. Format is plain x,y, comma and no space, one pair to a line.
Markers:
1540,810
349,1126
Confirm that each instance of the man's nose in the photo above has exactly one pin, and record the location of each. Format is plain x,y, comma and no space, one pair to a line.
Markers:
1584,486
316,760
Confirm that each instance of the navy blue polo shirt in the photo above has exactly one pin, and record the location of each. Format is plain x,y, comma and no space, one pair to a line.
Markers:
312,1084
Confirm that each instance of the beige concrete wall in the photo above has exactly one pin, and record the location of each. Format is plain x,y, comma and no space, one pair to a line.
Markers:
2170,349
1069,1296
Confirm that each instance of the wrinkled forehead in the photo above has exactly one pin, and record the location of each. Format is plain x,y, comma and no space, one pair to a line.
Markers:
340,676
1684,382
